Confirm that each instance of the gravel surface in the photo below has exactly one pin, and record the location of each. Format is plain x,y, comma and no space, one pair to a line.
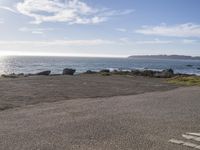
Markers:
39,89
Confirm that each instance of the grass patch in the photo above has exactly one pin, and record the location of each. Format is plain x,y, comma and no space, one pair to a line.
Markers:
188,81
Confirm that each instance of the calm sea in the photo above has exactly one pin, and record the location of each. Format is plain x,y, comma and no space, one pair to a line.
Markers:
23,64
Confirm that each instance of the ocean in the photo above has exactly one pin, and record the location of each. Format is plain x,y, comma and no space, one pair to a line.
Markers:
29,64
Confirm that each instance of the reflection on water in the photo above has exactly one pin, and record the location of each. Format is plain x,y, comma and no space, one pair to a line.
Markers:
22,64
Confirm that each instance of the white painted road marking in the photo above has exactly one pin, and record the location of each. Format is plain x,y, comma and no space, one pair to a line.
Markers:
176,141
195,134
188,136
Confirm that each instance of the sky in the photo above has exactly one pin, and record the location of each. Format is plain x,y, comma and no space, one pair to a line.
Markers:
100,28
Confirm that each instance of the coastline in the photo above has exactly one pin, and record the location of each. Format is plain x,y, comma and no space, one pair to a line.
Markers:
33,65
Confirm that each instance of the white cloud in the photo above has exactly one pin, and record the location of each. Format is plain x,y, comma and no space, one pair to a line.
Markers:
70,11
54,47
181,30
35,30
8,9
121,29
94,42
126,12
108,12
155,41
2,21
189,41
125,41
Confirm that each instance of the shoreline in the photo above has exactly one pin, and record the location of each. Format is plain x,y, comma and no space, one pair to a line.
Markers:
166,73
111,70
56,65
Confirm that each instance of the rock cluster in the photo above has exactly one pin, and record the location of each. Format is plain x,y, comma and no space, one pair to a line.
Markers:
167,73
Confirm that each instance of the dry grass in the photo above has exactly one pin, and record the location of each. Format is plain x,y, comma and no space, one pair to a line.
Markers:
188,81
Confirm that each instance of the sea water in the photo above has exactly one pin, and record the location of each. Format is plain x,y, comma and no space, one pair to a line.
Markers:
29,64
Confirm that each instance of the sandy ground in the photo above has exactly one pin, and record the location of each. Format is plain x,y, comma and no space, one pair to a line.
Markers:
136,122
38,89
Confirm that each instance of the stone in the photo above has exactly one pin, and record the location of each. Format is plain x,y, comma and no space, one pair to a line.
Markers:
167,73
105,71
45,73
69,71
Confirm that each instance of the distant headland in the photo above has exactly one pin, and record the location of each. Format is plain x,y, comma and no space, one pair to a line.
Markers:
166,57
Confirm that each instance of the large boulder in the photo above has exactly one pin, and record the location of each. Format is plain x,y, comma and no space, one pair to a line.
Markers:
105,71
69,71
189,65
44,73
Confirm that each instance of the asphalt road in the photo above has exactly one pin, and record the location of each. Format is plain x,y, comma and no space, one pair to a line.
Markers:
168,120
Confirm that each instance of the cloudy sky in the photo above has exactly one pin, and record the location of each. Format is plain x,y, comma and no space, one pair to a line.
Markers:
115,28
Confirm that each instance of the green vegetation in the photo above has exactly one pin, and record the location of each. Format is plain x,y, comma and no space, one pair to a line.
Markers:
188,81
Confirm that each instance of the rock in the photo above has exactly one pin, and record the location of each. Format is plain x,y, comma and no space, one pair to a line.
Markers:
45,73
105,71
121,72
168,73
136,72
90,72
189,65
53,75
148,73
69,71
13,75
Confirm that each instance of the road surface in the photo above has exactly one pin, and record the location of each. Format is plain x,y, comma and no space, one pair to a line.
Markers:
163,120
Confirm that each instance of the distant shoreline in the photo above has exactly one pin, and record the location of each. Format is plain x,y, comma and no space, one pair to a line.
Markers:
181,57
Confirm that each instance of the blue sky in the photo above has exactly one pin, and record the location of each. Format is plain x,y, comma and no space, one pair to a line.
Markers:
116,28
